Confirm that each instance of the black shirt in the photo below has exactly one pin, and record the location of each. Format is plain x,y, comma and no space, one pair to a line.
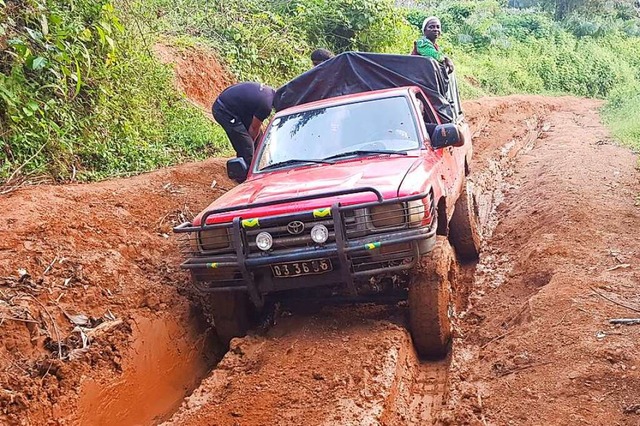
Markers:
246,100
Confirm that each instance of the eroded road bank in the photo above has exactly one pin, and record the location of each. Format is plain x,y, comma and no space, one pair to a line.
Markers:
167,359
535,338
563,261
97,322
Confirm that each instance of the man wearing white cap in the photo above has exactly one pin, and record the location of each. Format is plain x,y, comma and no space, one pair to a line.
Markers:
427,46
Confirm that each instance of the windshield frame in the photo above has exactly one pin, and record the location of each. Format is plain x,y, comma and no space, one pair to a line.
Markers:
316,161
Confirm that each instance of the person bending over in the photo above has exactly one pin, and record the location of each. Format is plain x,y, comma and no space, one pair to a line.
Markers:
240,110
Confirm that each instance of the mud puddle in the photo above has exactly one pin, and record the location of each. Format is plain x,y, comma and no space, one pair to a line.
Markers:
166,361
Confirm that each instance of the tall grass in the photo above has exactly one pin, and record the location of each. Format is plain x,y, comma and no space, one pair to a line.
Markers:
504,51
622,115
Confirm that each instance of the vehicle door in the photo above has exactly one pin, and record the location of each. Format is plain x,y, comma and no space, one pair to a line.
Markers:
446,157
453,96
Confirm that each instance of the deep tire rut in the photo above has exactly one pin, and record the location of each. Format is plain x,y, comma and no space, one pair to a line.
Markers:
429,392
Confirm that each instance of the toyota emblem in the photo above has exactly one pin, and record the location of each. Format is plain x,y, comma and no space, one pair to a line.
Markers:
295,228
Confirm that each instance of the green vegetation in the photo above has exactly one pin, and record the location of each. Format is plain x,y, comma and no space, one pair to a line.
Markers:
622,114
82,97
505,51
271,41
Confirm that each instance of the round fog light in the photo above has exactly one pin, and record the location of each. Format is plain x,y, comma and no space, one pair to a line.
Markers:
319,234
264,241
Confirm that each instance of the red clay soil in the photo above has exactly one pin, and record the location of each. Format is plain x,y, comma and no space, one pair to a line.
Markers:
198,72
100,255
537,346
534,347
340,366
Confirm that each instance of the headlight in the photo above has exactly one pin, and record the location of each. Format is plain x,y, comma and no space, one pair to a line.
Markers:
213,239
387,215
264,241
415,211
319,234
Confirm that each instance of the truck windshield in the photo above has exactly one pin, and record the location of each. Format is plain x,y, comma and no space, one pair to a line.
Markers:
377,125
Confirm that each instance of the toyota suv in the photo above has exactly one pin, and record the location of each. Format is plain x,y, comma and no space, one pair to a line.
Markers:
356,193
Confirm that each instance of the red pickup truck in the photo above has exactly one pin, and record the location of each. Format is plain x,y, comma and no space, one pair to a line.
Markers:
355,193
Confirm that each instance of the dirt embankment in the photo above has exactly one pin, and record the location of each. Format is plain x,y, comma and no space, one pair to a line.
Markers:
534,347
198,73
92,301
563,260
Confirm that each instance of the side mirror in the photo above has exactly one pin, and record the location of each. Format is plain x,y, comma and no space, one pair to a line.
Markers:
446,135
237,169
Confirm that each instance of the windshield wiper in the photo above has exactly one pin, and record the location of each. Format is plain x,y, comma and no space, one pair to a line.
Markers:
295,161
365,152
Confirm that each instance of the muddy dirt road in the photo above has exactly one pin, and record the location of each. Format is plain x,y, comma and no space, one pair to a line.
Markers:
100,327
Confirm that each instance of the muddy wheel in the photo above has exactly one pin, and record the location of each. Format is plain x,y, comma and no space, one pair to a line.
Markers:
464,228
430,301
232,314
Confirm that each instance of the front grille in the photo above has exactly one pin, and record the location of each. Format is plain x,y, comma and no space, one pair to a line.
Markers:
387,257
207,242
284,240
388,217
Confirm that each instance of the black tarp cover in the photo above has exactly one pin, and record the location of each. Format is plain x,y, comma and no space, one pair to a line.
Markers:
357,72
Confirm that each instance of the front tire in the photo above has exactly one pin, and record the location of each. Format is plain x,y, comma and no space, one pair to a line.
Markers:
430,301
232,314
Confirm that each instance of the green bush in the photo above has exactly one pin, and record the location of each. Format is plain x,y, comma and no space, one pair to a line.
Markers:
256,42
341,25
81,96
523,24
271,42
621,114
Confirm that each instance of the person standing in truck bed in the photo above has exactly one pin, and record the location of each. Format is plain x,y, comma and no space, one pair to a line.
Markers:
427,45
240,110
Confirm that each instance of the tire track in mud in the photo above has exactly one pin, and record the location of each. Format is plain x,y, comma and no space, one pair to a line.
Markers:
357,366
341,366
429,391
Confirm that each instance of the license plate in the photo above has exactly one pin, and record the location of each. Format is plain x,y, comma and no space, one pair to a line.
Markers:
306,267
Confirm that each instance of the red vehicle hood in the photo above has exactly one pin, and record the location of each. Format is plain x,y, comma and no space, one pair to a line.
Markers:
384,173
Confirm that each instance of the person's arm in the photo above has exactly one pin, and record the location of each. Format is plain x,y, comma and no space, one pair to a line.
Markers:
426,48
262,111
449,64
254,128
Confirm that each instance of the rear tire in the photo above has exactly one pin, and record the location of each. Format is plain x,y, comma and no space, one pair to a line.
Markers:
430,301
232,314
464,227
